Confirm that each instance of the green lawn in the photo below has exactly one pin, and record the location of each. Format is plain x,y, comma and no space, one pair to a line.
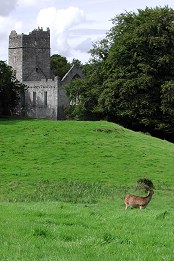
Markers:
62,189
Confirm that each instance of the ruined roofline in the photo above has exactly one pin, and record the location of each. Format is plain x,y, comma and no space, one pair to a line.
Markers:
39,29
65,76
72,71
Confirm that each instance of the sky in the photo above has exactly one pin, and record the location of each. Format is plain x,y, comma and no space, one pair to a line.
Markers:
74,24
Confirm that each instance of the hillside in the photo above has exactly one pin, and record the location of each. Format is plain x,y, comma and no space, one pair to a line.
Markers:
62,189
37,154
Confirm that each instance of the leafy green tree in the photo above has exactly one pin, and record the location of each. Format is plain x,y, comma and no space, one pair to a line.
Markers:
59,65
77,63
10,90
140,60
131,71
84,93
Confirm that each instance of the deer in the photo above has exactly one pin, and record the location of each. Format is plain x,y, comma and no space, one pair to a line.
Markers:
134,201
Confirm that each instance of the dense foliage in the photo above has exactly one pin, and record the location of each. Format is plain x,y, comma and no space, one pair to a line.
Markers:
59,65
10,90
130,78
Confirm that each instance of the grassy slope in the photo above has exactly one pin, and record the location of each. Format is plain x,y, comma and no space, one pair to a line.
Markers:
34,151
81,171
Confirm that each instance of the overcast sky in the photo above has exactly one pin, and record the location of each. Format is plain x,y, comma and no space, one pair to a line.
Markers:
74,24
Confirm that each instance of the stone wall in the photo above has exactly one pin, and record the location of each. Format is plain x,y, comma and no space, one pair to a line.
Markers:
15,53
41,99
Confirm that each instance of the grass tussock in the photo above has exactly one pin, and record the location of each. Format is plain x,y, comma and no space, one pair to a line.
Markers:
64,191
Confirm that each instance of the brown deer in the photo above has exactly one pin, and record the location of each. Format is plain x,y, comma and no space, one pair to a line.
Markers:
137,201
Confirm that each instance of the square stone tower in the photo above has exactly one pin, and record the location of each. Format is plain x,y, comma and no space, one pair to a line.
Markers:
29,55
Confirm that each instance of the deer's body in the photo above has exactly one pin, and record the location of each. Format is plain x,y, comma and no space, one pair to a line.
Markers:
137,201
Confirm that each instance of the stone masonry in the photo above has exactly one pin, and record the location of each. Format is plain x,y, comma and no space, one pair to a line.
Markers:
29,55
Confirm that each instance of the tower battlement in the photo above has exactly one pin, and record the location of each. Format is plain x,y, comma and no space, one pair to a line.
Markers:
37,37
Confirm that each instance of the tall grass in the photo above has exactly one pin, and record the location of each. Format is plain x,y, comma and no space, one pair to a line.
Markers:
62,189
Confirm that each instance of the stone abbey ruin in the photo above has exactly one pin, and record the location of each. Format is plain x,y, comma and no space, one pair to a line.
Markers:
29,56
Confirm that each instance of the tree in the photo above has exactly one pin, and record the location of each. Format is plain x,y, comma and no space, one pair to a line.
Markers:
131,72
10,90
140,60
59,65
84,93
77,63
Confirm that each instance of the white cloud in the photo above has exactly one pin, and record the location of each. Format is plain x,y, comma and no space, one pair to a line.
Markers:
47,17
7,24
60,22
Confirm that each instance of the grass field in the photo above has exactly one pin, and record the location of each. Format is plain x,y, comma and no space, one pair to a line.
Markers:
62,189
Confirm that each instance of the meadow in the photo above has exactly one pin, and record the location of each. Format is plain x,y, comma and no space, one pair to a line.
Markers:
62,192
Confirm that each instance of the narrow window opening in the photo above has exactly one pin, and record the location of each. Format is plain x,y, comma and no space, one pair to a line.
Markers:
45,98
34,98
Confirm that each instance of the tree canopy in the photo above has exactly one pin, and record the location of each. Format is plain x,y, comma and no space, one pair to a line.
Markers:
10,90
59,65
131,74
